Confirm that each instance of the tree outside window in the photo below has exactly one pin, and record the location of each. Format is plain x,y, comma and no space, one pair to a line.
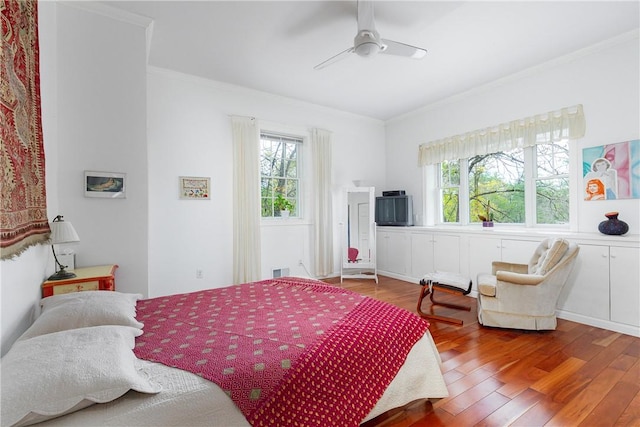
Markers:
279,173
496,185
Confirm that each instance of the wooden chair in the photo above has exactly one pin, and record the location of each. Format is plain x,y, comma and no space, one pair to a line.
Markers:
451,283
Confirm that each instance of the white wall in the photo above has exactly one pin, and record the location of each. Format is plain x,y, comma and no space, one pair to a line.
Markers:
102,127
604,79
190,135
93,89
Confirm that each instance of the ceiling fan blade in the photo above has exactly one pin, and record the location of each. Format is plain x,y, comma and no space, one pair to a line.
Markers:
333,59
365,16
401,49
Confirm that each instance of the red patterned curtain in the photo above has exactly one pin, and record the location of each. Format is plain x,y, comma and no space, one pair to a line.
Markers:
23,207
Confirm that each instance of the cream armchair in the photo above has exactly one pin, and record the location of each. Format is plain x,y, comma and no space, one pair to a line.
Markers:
524,296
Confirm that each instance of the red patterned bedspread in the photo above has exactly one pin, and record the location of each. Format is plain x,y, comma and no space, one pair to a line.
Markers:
287,351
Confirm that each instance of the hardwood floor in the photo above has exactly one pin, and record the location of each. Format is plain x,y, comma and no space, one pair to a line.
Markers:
577,375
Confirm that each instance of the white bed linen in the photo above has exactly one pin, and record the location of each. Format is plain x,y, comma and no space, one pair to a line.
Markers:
189,400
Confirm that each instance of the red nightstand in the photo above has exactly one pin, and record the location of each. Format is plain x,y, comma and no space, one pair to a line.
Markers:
99,278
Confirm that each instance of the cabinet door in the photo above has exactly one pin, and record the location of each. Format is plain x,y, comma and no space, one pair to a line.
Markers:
381,249
421,254
587,289
518,251
393,255
482,252
446,253
398,253
624,275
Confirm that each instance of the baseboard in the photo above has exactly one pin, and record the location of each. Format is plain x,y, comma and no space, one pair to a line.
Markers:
599,323
398,276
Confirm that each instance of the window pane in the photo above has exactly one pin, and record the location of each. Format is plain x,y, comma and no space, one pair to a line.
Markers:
496,187
266,206
552,159
266,187
449,174
450,205
291,189
279,172
552,201
449,183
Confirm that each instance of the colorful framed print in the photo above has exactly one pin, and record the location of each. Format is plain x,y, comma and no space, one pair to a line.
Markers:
193,187
106,185
611,171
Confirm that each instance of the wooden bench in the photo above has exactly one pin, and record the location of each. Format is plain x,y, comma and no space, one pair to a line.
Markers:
452,283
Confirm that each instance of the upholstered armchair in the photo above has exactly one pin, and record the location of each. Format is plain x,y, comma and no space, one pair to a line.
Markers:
524,296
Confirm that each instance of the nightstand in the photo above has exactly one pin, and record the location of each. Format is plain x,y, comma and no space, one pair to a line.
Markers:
98,278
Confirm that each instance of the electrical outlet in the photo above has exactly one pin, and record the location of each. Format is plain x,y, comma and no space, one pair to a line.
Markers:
198,274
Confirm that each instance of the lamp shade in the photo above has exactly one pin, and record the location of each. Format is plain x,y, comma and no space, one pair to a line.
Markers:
63,232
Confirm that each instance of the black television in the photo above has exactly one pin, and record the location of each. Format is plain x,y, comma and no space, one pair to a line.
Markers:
394,210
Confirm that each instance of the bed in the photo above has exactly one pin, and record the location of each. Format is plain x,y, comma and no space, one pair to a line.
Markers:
286,351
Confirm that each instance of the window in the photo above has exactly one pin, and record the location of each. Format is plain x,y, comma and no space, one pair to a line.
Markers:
279,173
502,185
450,190
552,183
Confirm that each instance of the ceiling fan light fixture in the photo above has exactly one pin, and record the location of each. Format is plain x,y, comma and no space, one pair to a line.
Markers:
367,49
367,43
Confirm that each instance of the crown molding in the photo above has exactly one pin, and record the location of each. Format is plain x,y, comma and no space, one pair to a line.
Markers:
109,11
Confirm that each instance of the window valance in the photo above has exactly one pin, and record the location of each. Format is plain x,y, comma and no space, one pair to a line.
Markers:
566,123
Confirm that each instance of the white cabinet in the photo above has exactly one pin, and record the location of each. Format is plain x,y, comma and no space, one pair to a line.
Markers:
446,253
604,284
624,277
587,289
394,252
603,289
484,250
434,251
412,255
518,251
422,261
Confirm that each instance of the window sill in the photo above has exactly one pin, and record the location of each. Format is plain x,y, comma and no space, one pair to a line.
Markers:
284,222
505,230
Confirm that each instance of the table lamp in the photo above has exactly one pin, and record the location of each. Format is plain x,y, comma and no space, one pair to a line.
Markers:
62,232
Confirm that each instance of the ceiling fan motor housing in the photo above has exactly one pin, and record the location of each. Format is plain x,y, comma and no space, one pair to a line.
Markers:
367,43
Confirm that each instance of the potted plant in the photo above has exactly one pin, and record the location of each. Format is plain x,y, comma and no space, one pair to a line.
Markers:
487,221
283,205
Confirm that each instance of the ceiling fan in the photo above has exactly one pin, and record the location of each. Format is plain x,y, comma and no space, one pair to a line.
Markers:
367,42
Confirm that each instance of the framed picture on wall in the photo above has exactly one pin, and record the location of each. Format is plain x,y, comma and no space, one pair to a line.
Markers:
610,172
106,185
193,187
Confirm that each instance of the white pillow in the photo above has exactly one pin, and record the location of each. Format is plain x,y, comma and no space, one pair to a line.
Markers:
58,373
83,309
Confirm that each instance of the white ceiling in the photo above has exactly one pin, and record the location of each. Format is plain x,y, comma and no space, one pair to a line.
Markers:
272,46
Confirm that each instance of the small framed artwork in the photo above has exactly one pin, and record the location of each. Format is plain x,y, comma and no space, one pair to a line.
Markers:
109,185
194,187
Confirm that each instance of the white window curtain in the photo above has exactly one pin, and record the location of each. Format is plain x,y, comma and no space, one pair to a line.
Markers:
566,123
246,200
323,224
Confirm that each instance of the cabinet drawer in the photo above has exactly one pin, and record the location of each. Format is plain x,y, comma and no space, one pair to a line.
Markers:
76,287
